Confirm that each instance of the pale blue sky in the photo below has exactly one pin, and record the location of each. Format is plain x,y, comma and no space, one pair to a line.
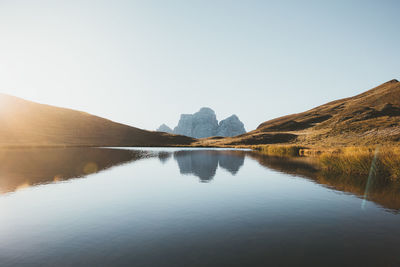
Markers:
145,62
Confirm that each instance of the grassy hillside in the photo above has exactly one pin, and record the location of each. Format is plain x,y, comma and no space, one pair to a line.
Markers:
372,117
25,123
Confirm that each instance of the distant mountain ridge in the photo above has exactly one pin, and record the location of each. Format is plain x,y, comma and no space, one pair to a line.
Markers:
25,123
372,117
204,123
164,128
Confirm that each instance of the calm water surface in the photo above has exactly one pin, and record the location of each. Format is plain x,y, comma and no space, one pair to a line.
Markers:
185,207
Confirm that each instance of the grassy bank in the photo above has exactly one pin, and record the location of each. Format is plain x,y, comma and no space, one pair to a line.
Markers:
380,161
279,150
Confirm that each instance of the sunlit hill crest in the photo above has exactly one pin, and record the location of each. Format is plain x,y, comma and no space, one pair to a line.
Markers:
26,123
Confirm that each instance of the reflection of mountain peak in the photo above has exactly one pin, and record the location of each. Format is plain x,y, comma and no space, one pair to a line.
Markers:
164,156
231,162
204,163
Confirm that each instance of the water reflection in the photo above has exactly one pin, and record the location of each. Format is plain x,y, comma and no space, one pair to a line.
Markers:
20,168
381,191
204,163
147,214
164,156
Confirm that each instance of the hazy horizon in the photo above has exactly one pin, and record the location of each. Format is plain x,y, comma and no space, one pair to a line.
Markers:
145,63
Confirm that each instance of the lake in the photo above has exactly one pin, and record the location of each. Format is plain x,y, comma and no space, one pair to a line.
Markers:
189,207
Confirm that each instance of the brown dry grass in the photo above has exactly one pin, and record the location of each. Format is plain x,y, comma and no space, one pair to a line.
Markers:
370,118
381,190
381,161
28,124
279,150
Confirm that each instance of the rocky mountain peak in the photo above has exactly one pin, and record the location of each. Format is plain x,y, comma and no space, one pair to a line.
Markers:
231,126
164,128
206,110
204,123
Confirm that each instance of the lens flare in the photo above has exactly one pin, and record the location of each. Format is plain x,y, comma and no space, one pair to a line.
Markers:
372,172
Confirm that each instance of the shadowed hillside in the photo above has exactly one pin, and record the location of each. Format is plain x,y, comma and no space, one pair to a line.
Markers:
25,123
372,117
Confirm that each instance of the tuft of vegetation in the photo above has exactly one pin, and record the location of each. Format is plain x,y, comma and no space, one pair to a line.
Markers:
382,162
280,150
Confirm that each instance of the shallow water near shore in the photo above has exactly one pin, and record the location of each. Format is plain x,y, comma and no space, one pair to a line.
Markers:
188,207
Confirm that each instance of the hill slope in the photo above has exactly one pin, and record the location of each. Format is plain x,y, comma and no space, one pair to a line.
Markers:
369,118
25,123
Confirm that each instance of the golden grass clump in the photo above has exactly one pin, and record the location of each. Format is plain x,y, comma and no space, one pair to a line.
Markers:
279,150
381,161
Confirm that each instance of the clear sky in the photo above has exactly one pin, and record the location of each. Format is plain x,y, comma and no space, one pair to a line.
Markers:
145,62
